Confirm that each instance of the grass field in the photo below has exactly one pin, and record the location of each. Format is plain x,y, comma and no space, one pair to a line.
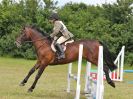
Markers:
52,84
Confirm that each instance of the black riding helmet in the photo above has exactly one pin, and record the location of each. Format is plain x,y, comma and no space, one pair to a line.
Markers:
54,16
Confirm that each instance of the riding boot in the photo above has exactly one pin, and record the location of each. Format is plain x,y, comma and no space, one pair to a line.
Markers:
60,51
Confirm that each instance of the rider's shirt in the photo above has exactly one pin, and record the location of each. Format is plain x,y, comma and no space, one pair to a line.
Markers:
59,27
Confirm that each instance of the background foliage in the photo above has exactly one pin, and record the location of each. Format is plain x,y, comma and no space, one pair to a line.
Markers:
110,23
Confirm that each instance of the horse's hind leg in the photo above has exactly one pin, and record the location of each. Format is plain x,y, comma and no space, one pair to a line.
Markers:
109,81
32,70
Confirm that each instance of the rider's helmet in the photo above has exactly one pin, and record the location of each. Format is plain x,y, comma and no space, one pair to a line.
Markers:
54,16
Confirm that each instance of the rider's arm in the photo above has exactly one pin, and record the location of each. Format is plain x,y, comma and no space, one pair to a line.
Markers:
56,30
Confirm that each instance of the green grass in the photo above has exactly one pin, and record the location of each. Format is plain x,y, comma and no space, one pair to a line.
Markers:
52,84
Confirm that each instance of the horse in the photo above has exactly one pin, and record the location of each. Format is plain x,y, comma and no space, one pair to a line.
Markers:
46,56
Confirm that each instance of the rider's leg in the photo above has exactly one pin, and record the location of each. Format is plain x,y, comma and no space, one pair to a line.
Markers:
60,51
59,47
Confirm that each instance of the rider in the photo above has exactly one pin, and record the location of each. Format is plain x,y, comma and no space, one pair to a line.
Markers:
60,34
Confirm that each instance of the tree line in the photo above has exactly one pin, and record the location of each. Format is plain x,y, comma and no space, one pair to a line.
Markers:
109,23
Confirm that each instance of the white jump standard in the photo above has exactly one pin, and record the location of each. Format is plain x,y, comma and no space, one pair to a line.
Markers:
99,85
117,75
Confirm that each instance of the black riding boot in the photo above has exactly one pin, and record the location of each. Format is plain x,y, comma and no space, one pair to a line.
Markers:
60,51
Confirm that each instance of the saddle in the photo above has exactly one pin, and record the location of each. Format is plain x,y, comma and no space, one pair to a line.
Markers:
63,44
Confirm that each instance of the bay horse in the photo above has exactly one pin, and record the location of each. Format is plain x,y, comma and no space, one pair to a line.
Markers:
46,56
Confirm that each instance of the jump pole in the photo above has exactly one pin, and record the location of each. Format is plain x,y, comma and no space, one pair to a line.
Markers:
77,77
118,74
87,76
79,71
100,86
96,90
69,77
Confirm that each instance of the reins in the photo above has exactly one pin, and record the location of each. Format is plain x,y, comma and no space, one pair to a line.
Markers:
35,40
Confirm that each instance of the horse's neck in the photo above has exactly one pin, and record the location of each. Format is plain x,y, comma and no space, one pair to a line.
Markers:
38,39
35,36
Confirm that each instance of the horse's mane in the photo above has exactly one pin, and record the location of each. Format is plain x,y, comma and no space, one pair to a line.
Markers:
39,30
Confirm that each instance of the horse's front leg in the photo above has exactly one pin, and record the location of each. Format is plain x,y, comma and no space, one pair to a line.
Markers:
109,81
40,71
32,70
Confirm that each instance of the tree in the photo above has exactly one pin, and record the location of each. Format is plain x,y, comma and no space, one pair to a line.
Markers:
118,12
110,23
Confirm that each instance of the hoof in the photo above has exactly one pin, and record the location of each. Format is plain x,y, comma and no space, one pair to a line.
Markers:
112,84
30,90
21,84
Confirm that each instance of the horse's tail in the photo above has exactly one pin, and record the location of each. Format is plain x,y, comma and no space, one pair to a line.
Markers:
108,57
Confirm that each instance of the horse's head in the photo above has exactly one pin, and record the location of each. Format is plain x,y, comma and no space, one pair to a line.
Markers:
24,36
29,33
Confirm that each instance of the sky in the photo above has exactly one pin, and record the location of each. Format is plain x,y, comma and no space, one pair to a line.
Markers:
89,2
